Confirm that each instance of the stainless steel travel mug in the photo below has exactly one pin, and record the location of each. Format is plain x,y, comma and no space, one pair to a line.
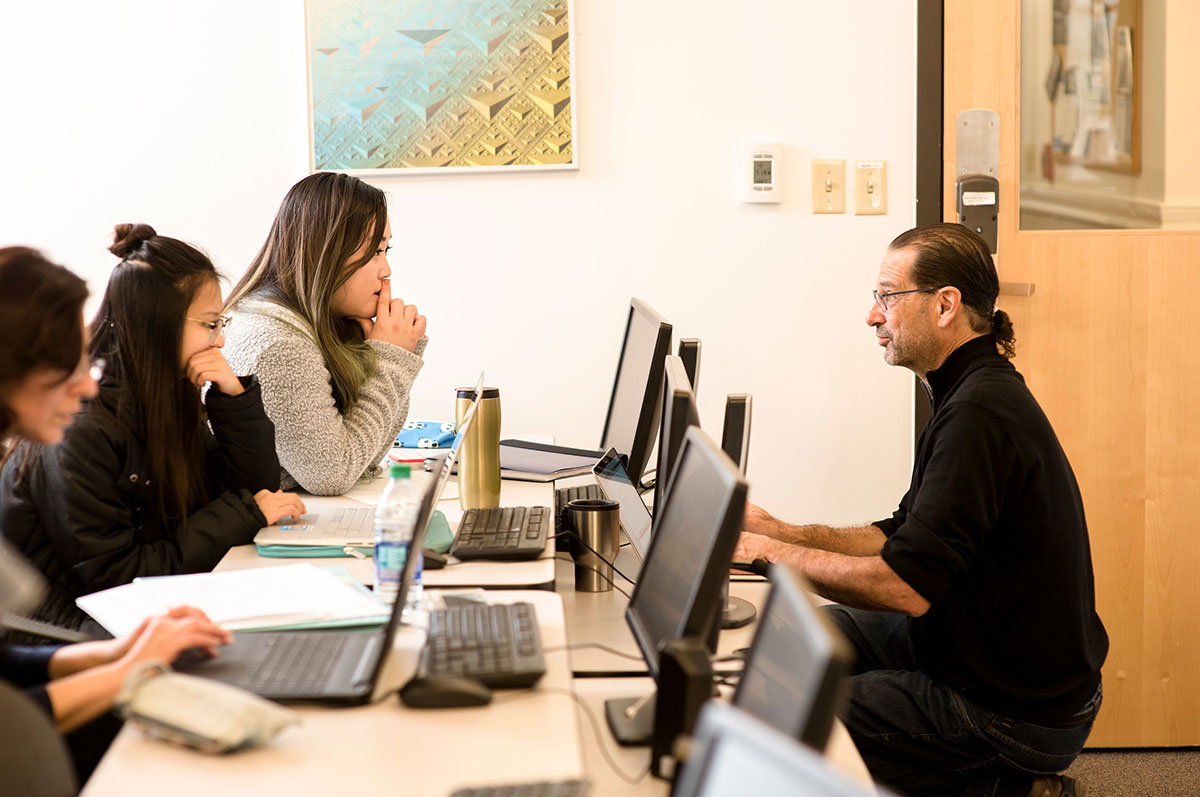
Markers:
597,524
479,454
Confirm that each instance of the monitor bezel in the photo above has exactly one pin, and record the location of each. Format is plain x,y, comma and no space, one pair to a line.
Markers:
647,426
738,409
705,600
677,412
791,591
689,352
720,724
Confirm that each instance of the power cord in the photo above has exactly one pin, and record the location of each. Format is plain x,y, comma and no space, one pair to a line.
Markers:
632,780
598,646
601,573
575,536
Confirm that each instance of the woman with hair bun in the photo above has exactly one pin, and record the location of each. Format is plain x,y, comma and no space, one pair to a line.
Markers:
139,485
316,321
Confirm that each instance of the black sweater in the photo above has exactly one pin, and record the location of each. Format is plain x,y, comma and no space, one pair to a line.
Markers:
992,534
83,513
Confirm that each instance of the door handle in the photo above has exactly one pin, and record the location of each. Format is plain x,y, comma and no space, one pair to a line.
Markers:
1016,288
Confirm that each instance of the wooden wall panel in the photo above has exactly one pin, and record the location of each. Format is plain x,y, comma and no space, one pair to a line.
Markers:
1108,342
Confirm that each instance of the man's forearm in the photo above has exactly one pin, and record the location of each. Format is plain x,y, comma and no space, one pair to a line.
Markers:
859,581
851,541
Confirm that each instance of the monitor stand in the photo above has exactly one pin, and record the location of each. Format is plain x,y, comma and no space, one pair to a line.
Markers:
631,719
738,612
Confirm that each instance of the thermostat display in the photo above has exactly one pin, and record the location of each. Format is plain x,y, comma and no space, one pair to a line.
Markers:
761,168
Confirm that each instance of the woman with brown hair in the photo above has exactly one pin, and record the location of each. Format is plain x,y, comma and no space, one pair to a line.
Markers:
316,322
140,486
44,378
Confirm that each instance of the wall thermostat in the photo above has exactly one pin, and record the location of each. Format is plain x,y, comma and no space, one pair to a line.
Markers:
762,164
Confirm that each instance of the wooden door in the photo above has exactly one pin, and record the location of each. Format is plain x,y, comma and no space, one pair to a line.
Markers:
1109,342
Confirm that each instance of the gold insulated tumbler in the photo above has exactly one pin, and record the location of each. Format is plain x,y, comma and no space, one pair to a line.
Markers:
479,459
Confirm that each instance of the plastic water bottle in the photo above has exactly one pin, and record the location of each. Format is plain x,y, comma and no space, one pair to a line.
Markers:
395,521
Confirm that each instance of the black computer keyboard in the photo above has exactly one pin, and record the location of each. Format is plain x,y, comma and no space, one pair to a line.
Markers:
505,532
497,644
564,496
560,788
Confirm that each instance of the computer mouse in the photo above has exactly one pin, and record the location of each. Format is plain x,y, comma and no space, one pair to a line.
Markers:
434,560
444,691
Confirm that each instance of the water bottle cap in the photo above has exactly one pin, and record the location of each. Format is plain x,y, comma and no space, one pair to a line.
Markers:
399,470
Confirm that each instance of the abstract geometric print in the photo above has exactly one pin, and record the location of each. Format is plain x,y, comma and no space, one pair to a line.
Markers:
438,84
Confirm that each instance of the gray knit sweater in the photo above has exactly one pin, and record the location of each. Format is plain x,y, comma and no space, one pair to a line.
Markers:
320,449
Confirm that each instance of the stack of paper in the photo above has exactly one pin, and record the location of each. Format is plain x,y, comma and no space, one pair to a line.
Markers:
291,596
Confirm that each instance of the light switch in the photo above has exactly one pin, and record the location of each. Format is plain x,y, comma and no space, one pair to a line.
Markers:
829,186
870,188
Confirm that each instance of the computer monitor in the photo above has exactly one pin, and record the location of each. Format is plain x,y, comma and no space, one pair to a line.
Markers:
689,352
734,753
632,418
678,413
679,593
735,434
792,676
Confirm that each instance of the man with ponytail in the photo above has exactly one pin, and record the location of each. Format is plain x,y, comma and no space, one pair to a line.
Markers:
972,608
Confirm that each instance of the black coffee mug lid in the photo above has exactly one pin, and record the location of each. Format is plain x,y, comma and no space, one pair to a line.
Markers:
593,505
469,392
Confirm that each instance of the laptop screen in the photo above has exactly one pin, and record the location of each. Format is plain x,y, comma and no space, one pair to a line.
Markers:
616,485
429,501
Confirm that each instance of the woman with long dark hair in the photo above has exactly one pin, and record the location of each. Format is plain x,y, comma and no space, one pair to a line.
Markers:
316,322
140,486
45,376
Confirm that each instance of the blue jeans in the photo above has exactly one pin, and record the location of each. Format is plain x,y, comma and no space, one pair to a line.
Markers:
921,737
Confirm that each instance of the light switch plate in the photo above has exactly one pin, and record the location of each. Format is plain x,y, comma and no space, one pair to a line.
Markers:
829,186
870,188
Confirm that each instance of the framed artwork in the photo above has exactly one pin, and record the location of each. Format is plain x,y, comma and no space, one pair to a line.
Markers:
440,86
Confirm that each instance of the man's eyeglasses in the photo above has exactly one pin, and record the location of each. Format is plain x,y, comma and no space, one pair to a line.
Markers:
881,299
215,328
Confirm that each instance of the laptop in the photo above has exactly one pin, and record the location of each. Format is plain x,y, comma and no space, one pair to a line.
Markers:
335,667
340,521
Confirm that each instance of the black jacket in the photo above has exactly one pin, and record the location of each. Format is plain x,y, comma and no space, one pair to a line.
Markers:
83,512
992,533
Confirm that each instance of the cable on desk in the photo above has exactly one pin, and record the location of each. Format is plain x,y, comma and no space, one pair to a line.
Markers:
598,646
600,572
632,780
575,536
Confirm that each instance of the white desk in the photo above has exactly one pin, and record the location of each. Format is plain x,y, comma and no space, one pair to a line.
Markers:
533,574
599,618
382,748
385,748
635,761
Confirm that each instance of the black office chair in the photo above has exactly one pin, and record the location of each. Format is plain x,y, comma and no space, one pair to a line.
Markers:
33,758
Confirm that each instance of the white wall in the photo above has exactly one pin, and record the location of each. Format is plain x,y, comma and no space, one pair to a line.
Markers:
192,117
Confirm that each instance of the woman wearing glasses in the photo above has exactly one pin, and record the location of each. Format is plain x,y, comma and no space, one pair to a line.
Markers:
44,379
316,321
139,486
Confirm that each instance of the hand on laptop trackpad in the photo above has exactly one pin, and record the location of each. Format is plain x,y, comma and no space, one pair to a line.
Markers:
444,692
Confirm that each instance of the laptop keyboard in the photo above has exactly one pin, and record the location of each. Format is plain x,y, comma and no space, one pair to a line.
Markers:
295,663
342,523
561,788
497,644
564,496
505,532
